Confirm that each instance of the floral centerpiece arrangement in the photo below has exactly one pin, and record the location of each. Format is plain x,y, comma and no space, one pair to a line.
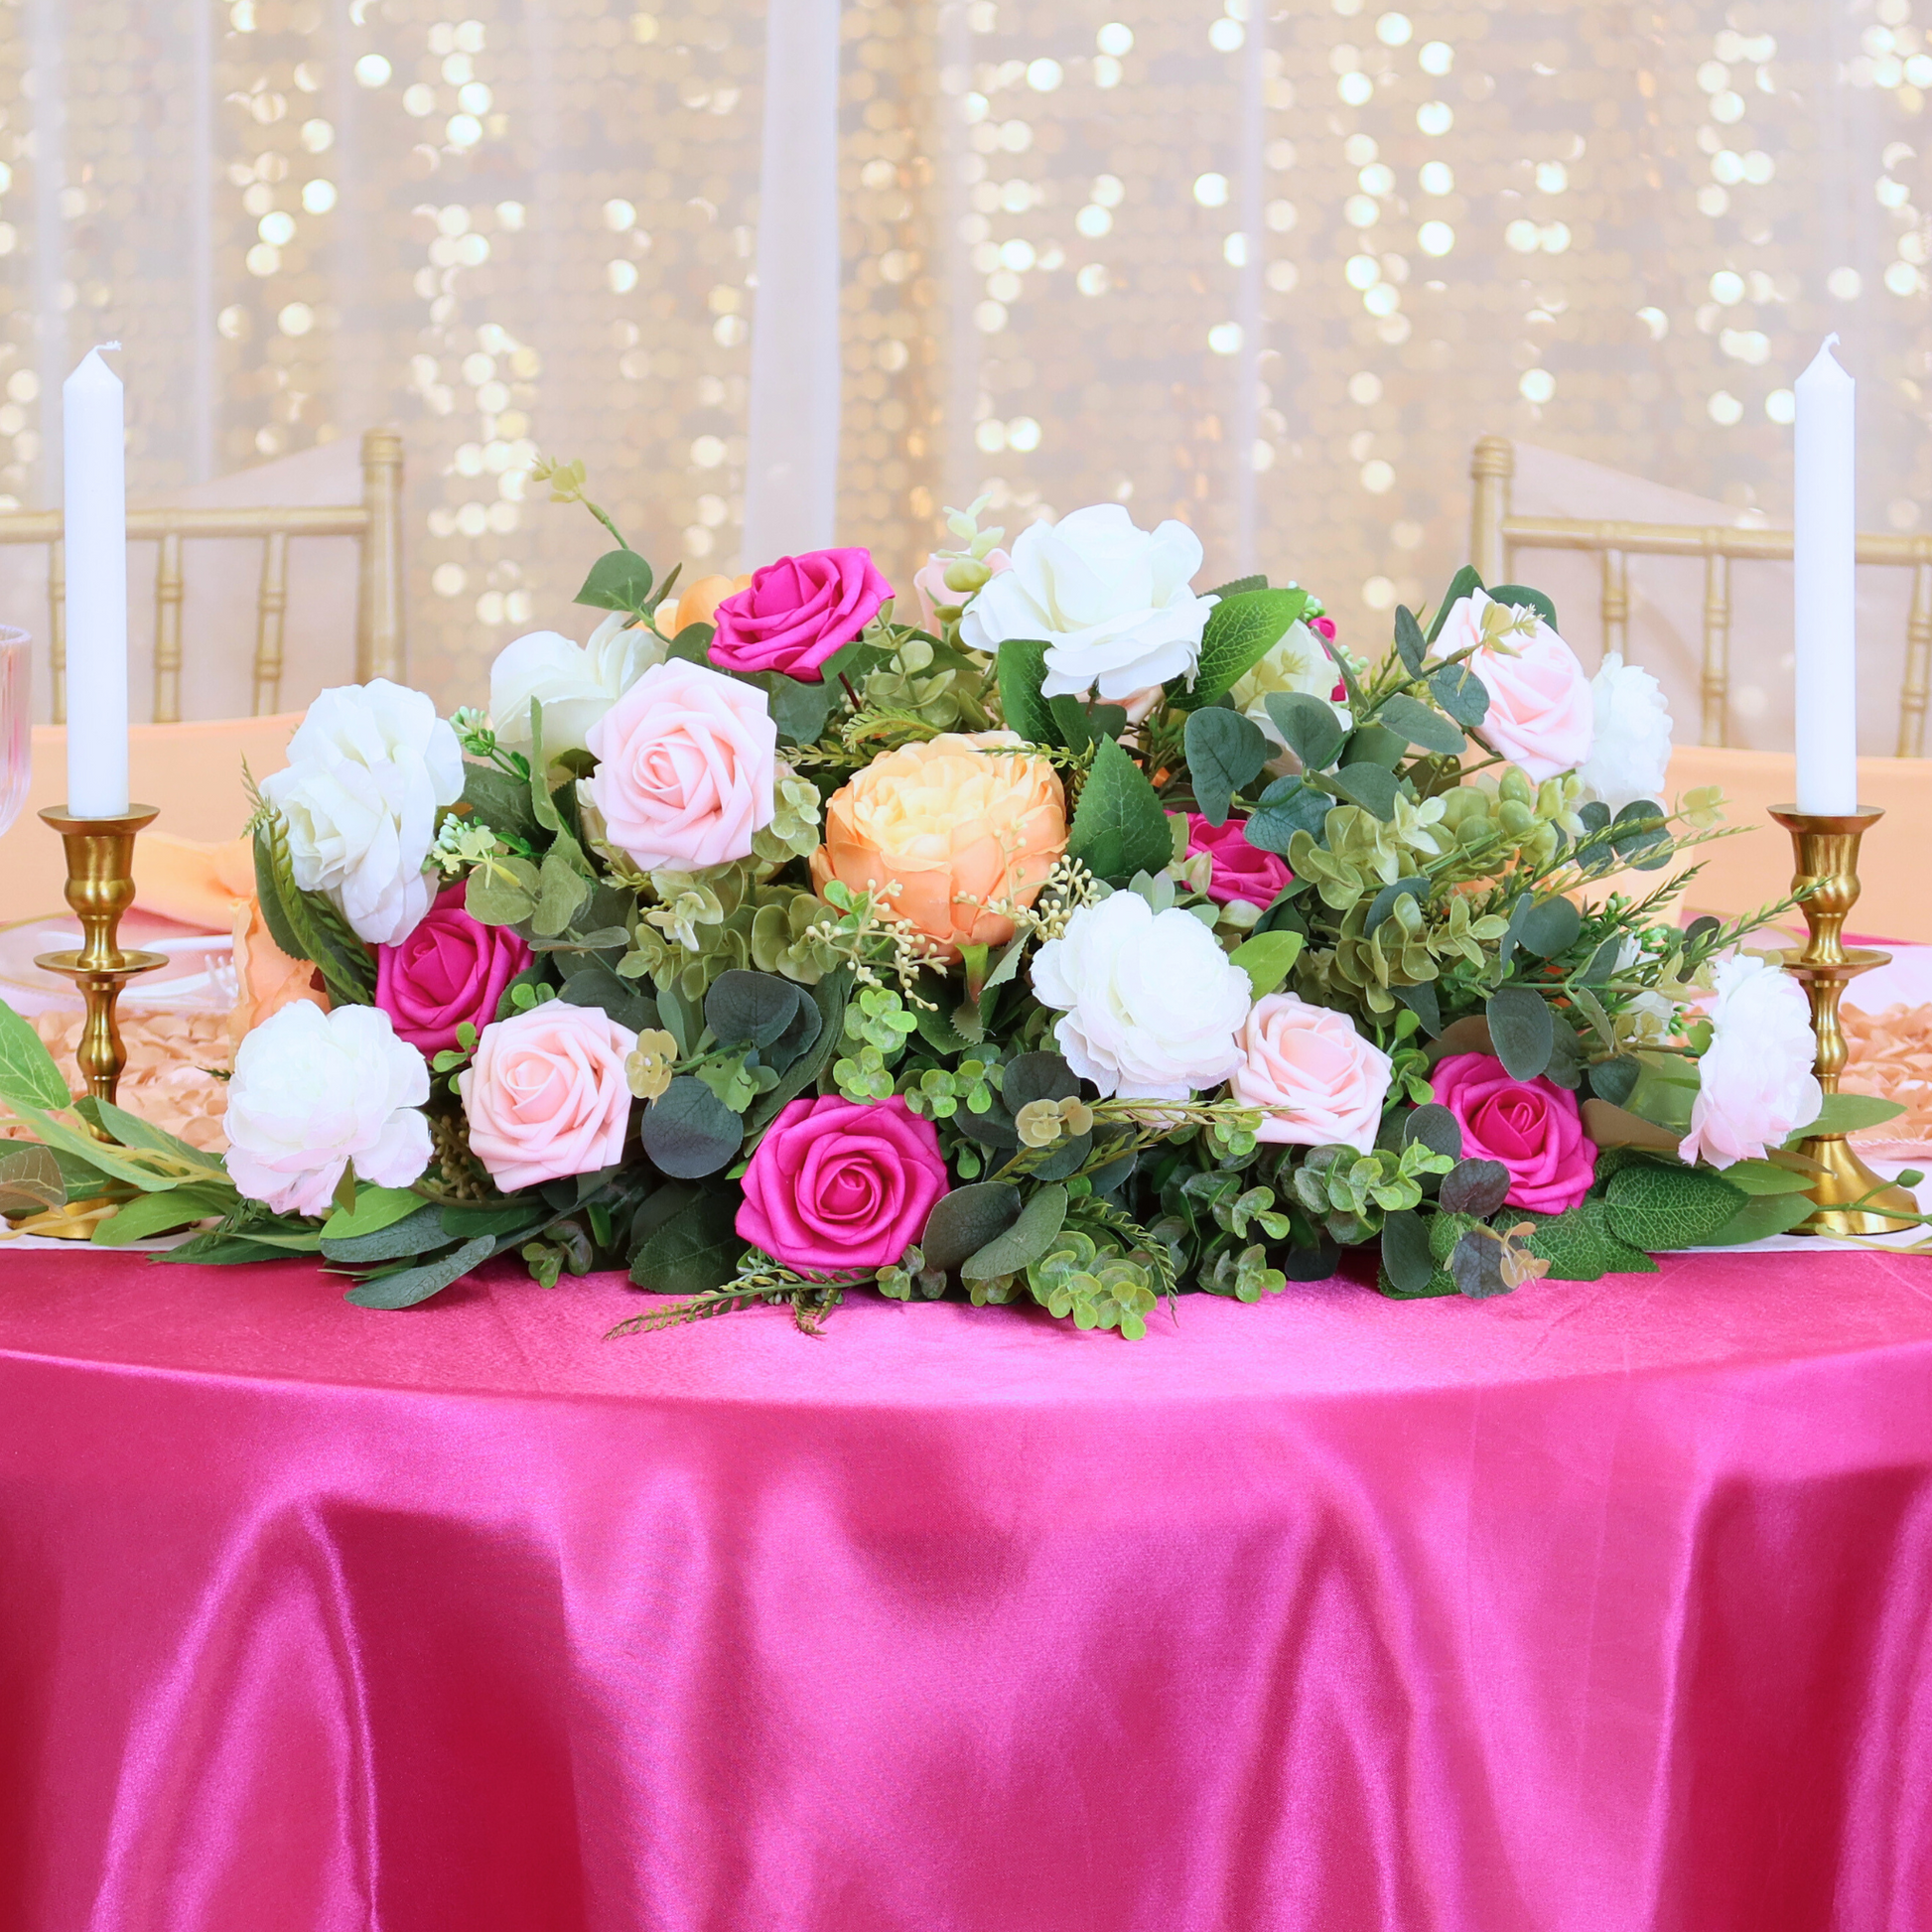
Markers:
1091,940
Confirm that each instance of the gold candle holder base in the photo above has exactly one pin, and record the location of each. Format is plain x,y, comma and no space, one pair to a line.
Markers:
1827,847
100,887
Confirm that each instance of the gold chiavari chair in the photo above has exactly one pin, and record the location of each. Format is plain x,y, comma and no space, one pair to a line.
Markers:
376,524
1495,534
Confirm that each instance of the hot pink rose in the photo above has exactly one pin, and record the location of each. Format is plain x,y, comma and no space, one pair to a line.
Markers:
1530,1126
686,768
1326,626
1241,871
1312,1062
450,969
797,613
1542,712
546,1094
934,591
839,1183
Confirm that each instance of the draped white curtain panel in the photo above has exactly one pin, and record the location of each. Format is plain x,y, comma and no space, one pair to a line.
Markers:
808,273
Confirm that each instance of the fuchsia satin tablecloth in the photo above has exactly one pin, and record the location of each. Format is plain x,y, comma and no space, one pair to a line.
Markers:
1591,1608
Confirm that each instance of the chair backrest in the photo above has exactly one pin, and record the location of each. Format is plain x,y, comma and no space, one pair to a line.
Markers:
1496,533
376,524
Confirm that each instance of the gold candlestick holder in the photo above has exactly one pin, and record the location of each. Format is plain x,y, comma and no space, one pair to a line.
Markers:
1827,846
100,887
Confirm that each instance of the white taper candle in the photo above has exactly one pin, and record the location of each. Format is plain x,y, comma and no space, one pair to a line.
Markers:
1825,588
94,439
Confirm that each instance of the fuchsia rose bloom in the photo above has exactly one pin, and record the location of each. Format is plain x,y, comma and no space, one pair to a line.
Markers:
1532,1126
687,767
450,969
797,612
837,1184
546,1094
1241,871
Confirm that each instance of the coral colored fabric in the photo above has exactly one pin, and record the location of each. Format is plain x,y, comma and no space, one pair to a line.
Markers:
1586,1609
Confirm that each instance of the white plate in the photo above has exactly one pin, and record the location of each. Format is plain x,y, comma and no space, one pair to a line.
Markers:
198,977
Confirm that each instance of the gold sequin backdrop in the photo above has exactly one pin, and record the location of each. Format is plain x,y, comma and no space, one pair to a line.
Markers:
1269,274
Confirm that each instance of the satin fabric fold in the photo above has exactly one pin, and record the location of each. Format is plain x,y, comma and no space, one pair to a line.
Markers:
1598,1607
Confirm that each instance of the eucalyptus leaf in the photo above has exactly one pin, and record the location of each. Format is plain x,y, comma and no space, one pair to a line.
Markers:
1405,1251
1423,1002
1371,787
688,1132
1371,744
500,801
1462,694
1435,1128
408,1286
1288,806
1309,727
619,579
1224,752
829,996
1383,904
745,1008
1614,1080
1410,644
1550,926
618,998
1421,723
415,1234
965,1220
1027,1241
1519,596
1477,1187
693,1250
1521,1030
1465,580
798,710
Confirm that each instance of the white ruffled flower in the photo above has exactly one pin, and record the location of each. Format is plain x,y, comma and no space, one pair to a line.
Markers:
1151,1002
313,1092
1113,603
575,683
1629,756
1297,663
1755,1083
369,766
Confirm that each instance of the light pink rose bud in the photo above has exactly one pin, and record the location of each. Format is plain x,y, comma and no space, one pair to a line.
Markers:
686,768
546,1094
1542,713
933,589
1311,1061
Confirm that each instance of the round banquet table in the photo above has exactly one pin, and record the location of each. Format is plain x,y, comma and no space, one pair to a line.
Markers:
1596,1607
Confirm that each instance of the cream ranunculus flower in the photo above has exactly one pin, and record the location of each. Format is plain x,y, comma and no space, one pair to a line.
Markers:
958,823
1542,714
1114,604
1630,756
575,684
1755,1083
313,1094
369,766
1297,663
1151,1002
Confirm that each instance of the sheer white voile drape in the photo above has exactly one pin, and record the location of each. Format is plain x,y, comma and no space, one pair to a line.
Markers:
807,273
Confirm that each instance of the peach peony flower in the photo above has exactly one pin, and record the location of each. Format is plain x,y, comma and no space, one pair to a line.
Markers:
700,602
686,768
1542,712
957,823
266,978
546,1094
1315,1064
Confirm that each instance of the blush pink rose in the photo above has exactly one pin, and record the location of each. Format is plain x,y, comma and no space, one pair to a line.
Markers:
687,763
796,612
1532,1126
1241,871
546,1095
837,1184
450,969
935,593
1312,1062
1542,711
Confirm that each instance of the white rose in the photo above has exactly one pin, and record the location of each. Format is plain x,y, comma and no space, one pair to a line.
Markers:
575,683
1755,1084
1151,1003
1297,663
369,766
1630,755
313,1092
1113,603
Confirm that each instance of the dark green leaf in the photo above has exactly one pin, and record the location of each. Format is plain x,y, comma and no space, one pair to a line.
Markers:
1241,631
1309,727
1224,752
1317,1264
598,986
1119,826
1580,1247
619,579
692,1250
1613,1080
1657,1205
1475,1264
1435,1128
938,1032
415,1234
1644,843
1761,1217
1421,723
1070,723
223,1251
829,996
500,801
1767,1178
1036,1076
1602,962
1476,1188
408,1286
691,645
465,1221
1405,1251
1423,1002
1028,1240
798,710
1022,671
688,1131
965,1220
1519,596
1383,904
1371,787
1465,580
1288,806
1410,644
1594,815
268,895
1550,926
1462,694
1371,744
1521,1030
752,1009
